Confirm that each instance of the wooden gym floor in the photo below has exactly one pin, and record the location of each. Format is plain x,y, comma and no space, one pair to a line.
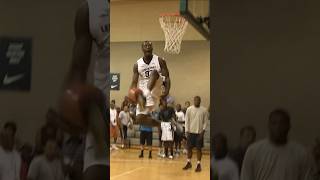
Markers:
125,165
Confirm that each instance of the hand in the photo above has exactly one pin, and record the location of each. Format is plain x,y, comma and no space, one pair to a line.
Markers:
187,134
202,134
164,95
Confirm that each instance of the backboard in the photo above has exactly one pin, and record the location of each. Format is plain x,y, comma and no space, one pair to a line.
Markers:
197,13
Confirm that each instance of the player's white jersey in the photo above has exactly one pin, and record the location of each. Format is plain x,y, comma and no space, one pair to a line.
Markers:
180,117
145,70
167,131
99,21
99,24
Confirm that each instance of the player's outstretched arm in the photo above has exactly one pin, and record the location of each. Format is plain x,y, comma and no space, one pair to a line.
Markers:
81,48
135,76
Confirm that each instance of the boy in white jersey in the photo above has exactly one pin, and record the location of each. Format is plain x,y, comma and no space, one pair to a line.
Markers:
181,121
151,75
91,44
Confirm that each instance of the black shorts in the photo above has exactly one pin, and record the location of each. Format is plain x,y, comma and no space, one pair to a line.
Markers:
194,140
146,136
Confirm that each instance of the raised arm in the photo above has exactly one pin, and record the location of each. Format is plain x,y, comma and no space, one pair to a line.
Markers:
81,48
135,76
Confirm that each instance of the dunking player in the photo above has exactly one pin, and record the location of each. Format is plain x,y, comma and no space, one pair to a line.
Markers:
150,74
92,44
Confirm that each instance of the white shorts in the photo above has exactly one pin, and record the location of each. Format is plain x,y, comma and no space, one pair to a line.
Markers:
152,98
167,131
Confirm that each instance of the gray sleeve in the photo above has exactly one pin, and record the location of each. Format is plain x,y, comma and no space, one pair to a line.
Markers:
235,173
247,166
306,167
33,170
205,123
187,121
18,165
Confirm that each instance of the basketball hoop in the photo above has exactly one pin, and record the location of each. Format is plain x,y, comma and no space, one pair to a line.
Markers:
174,27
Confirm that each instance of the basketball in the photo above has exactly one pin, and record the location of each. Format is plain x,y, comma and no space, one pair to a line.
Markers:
75,104
134,93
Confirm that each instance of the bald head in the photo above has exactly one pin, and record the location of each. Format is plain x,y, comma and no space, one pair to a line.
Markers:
147,49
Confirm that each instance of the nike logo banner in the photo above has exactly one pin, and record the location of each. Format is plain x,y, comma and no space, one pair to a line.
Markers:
115,81
15,63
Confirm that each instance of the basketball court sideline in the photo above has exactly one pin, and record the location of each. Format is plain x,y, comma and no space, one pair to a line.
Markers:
125,164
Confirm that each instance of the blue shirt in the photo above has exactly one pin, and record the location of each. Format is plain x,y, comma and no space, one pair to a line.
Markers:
145,128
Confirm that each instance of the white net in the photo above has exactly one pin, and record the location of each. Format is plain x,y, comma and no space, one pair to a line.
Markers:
174,27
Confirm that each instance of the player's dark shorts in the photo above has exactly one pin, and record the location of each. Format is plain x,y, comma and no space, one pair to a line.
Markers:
146,136
194,140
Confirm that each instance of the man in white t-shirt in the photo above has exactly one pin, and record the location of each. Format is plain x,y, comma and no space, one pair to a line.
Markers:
181,121
195,125
46,166
10,160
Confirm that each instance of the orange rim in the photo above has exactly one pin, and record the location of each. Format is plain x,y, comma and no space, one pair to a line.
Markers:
170,14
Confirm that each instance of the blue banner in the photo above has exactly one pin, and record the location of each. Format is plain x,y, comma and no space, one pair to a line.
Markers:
15,63
115,81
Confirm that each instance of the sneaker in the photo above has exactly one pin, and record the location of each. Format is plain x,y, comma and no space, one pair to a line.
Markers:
115,147
122,146
150,156
198,168
188,166
184,151
163,155
170,157
141,156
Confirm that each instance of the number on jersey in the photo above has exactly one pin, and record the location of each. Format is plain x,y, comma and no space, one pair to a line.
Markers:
147,74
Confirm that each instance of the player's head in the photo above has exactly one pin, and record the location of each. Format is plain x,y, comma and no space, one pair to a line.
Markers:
220,146
112,104
125,108
178,107
50,148
7,140
279,126
26,152
10,127
147,48
197,101
247,136
187,104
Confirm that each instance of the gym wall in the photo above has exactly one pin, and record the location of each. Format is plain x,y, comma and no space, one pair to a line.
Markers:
266,55
189,71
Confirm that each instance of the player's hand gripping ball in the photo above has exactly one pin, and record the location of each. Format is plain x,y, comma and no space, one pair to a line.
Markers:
75,106
134,94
